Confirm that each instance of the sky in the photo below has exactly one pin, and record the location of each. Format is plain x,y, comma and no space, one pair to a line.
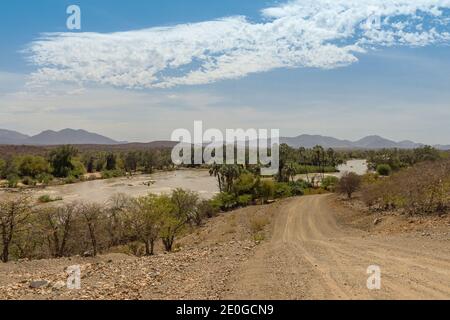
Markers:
137,70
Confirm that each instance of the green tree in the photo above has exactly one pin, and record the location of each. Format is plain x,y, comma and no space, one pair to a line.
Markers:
145,218
111,161
384,170
131,161
32,166
61,160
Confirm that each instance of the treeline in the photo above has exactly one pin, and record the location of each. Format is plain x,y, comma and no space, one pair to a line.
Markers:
240,187
386,161
126,224
68,165
421,189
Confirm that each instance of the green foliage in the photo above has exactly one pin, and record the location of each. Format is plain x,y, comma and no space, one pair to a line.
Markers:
245,200
44,178
384,170
111,161
329,183
70,180
176,213
266,190
245,184
2,167
78,169
298,187
61,161
32,166
401,158
282,190
224,201
13,180
112,174
47,199
28,181
206,209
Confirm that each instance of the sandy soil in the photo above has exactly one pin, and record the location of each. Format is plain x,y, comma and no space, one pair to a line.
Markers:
311,256
314,248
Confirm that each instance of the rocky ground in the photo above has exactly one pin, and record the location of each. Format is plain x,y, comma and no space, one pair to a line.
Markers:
198,270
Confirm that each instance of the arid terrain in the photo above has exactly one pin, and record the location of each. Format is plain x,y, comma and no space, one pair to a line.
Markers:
312,247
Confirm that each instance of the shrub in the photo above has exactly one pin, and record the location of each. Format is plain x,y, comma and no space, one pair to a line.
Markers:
257,224
224,201
266,190
384,170
282,190
29,181
422,189
13,180
206,209
44,178
330,182
108,174
32,166
245,200
349,184
47,198
70,180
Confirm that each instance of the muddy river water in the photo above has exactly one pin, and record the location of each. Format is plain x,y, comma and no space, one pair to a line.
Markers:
100,191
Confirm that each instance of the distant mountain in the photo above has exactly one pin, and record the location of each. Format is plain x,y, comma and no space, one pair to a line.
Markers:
370,142
310,141
12,137
49,138
83,137
68,136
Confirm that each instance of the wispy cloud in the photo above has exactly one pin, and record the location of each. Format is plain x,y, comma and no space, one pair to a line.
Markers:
300,33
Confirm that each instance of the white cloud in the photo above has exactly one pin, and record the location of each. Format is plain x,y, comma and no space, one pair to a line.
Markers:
300,33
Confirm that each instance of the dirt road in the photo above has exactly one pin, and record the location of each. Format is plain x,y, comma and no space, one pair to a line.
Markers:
312,256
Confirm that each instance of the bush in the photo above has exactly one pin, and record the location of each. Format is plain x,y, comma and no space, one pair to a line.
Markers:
47,198
245,200
78,169
330,182
32,166
282,190
245,184
266,190
70,180
29,181
13,180
108,174
349,184
224,201
422,189
384,170
44,178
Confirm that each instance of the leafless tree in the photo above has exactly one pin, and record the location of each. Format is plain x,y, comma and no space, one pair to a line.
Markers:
13,216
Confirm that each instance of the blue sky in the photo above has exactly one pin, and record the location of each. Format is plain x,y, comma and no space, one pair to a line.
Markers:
320,73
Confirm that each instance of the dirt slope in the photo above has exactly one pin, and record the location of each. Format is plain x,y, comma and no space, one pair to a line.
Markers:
311,256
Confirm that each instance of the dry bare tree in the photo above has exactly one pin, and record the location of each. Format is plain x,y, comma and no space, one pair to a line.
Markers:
13,216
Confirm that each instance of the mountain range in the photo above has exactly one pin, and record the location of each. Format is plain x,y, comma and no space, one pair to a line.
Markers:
49,137
83,137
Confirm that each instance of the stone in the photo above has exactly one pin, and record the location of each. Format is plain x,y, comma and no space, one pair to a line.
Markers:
39,284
